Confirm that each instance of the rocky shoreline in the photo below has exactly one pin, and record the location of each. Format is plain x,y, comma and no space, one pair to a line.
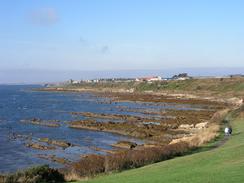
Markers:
167,131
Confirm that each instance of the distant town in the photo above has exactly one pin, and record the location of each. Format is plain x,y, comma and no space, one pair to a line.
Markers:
148,79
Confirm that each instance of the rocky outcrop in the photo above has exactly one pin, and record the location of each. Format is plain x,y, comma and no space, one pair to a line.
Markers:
119,117
54,158
201,125
59,143
197,126
39,146
133,129
48,123
125,144
186,126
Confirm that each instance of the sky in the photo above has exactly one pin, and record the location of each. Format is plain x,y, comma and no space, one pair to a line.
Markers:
99,35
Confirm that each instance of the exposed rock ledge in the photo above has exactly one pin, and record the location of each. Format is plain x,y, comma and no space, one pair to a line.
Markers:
197,126
125,144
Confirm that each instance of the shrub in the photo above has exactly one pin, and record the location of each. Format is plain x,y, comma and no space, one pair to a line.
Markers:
127,159
38,174
90,165
116,162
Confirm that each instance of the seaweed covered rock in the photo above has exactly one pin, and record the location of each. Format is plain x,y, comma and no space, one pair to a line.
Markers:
125,144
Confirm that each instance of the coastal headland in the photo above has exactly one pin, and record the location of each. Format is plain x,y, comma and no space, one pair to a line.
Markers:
174,118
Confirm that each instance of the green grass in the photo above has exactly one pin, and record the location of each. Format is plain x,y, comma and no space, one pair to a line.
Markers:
233,86
223,164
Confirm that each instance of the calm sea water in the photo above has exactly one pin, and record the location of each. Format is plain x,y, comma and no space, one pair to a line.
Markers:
21,102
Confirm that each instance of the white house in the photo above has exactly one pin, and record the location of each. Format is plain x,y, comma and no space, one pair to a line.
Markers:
150,79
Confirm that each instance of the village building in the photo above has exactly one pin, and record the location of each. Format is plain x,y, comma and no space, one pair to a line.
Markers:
150,79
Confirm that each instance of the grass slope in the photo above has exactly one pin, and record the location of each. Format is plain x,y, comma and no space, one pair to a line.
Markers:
223,164
215,86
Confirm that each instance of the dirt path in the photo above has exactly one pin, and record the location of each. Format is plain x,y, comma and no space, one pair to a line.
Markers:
221,142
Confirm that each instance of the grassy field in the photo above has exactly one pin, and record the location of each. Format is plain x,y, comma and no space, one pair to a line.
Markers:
222,164
213,86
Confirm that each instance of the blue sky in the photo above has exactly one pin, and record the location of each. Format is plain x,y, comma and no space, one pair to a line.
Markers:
121,34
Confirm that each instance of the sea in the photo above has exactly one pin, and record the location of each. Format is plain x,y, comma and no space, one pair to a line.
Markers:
22,102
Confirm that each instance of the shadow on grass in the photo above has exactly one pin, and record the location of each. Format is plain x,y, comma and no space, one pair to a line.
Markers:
215,143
